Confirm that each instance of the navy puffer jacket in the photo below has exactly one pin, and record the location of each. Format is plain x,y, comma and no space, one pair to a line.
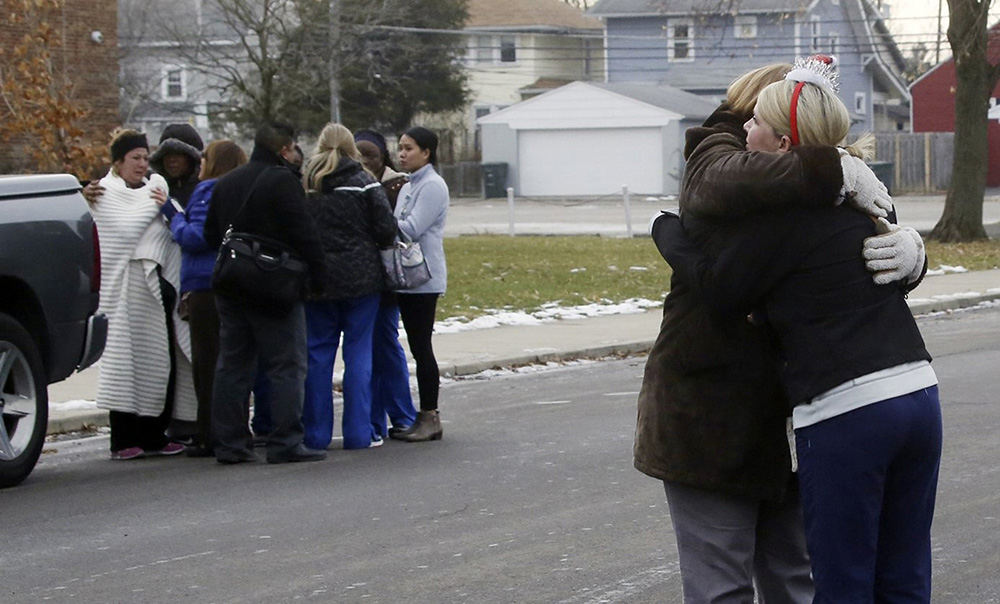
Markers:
354,220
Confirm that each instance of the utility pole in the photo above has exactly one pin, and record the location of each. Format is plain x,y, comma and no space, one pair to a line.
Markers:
332,55
937,51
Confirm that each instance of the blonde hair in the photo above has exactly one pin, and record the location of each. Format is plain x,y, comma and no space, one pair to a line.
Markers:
742,93
335,141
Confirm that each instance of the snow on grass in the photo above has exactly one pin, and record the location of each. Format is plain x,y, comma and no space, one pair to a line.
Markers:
546,314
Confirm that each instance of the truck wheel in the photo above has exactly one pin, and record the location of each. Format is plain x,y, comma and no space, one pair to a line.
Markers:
24,402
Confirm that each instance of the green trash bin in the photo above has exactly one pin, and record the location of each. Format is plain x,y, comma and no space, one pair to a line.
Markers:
494,180
884,171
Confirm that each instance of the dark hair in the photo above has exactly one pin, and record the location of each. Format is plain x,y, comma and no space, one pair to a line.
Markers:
124,140
425,139
378,140
222,156
274,136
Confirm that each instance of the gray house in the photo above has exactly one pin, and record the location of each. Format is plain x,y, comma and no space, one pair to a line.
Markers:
701,47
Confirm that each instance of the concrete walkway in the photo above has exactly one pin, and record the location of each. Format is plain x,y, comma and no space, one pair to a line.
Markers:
470,352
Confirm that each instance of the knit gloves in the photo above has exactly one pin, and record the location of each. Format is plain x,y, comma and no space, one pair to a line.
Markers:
861,187
895,253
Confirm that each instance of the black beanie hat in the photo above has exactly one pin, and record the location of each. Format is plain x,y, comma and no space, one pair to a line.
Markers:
126,143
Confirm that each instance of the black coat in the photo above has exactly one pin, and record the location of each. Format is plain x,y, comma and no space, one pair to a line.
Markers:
275,209
711,411
354,220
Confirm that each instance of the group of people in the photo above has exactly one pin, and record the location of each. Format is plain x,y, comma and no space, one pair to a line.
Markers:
184,361
788,404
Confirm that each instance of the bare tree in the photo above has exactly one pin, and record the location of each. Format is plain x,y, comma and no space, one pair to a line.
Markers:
968,36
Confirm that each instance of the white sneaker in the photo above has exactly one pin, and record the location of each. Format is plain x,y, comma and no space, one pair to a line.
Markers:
376,442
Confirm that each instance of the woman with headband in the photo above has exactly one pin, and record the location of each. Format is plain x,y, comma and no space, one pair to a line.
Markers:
866,415
145,378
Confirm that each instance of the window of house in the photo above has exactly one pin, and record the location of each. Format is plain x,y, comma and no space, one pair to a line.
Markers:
508,49
834,44
860,102
484,49
173,83
815,41
680,41
745,26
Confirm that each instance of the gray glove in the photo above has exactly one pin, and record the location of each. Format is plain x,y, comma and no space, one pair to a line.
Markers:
861,187
896,253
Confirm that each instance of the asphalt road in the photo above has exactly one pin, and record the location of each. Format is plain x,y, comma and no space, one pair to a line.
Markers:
531,497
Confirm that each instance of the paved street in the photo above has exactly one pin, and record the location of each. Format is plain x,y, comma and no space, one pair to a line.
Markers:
530,497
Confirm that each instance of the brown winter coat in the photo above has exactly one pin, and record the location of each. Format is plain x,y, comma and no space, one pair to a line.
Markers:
711,412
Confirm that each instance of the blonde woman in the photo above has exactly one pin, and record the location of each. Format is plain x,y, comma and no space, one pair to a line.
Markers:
862,394
145,373
353,217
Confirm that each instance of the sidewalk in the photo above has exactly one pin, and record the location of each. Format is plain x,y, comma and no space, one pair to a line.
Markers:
470,352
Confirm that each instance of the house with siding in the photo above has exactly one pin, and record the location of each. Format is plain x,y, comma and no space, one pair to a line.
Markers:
934,104
521,48
702,46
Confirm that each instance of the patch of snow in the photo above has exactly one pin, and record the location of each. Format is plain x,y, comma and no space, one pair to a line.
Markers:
945,269
548,313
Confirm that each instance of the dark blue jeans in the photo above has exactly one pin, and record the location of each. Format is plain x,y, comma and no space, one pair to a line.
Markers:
280,343
868,480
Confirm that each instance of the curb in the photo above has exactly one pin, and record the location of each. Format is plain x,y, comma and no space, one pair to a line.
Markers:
89,419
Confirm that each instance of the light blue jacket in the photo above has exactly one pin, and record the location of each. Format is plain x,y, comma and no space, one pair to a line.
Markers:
421,211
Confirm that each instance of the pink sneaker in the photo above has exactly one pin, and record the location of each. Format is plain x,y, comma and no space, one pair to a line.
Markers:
171,449
127,453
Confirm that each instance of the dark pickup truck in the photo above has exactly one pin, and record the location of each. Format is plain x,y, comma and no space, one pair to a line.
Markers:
50,278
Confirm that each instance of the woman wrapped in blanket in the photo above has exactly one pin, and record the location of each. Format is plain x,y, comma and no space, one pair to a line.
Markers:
145,378
853,366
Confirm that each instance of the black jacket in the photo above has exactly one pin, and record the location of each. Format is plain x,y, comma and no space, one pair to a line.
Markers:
711,412
354,220
275,209
803,267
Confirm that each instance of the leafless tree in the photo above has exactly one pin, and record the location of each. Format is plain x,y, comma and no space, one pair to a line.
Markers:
968,35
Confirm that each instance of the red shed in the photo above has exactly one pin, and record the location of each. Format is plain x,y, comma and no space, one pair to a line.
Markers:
933,104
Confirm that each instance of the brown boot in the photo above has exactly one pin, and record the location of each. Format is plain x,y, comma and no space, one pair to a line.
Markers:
427,427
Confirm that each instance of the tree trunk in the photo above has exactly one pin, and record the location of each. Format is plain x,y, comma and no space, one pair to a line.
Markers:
962,219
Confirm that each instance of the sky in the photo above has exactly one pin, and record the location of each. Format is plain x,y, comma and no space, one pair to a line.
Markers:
912,21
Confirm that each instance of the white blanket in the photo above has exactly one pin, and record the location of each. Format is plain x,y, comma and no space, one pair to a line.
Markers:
135,366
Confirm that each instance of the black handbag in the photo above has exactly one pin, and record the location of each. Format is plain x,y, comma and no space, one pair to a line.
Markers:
259,271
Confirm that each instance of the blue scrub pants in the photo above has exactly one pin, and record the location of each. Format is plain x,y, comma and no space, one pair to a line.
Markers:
868,480
325,321
390,374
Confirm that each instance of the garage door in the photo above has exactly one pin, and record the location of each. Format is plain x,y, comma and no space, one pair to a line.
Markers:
590,162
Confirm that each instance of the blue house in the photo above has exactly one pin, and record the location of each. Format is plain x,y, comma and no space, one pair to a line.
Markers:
701,46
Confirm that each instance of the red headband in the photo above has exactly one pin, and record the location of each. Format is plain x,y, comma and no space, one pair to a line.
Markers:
793,121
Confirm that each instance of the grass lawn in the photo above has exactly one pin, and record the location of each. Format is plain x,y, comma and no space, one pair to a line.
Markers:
523,273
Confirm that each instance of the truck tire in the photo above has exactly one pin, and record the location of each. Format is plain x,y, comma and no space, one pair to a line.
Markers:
24,402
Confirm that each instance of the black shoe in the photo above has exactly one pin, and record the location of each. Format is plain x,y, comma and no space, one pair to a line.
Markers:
235,457
299,453
397,431
199,451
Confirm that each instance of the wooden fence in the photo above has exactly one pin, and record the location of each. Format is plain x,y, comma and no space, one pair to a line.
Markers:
915,162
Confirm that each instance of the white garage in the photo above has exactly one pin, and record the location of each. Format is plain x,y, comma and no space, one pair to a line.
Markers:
592,139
